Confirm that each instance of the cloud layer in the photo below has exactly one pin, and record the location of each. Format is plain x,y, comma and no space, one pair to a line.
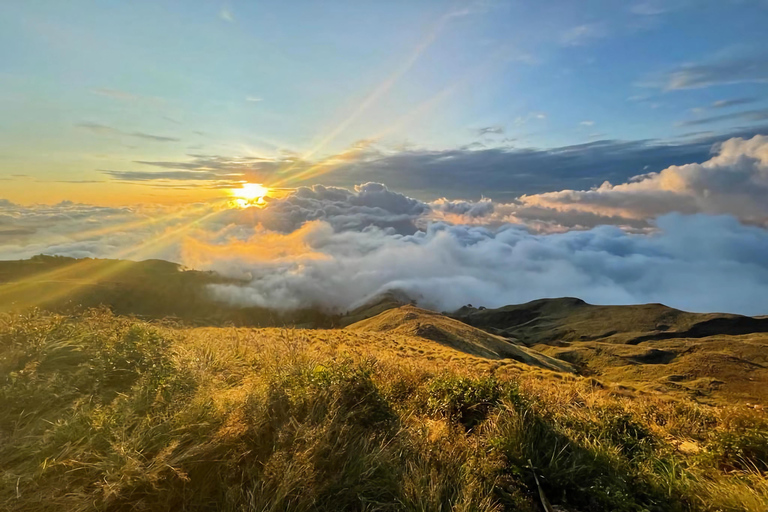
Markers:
735,181
691,236
699,263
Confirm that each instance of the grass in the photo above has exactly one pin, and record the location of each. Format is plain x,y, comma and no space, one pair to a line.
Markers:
101,412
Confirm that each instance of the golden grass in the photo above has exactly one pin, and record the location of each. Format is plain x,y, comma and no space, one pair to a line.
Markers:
99,412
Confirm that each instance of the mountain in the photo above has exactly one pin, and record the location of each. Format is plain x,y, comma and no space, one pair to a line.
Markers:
570,319
153,289
713,357
421,323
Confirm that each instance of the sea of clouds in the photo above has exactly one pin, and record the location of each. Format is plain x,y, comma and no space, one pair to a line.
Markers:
693,236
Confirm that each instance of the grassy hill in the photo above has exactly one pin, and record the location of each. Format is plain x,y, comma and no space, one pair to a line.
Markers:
153,289
102,412
712,357
547,321
416,322
587,408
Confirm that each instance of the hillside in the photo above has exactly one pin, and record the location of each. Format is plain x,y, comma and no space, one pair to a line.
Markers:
715,356
153,289
102,412
552,321
422,323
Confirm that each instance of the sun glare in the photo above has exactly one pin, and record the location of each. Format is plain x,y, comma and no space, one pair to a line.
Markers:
250,193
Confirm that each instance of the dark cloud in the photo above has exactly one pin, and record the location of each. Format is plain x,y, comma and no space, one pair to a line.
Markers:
16,231
161,175
149,136
368,205
732,71
490,130
501,173
470,209
101,129
753,116
504,173
733,102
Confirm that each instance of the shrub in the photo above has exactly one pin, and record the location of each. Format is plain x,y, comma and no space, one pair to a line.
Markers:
467,401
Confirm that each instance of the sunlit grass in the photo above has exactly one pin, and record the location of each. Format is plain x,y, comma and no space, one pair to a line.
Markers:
99,412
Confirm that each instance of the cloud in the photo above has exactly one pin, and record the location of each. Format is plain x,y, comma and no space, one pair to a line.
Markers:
733,71
697,263
540,116
119,95
149,136
367,205
253,99
502,173
490,130
285,169
505,173
335,248
732,102
226,15
100,129
68,229
581,35
648,9
587,123
163,175
115,94
752,116
734,181
214,168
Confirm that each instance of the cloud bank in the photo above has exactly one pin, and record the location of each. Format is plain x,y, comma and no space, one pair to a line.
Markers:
735,181
692,236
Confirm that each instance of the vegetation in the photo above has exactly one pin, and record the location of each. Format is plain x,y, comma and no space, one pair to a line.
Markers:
101,412
153,289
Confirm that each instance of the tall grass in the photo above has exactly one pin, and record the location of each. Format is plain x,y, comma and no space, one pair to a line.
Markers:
99,412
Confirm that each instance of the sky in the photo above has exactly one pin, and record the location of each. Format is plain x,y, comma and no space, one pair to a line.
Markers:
167,101
322,153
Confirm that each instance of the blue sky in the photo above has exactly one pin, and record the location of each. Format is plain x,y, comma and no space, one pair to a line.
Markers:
88,88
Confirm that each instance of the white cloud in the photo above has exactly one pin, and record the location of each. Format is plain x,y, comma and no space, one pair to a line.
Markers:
226,15
581,35
335,248
697,263
648,9
734,181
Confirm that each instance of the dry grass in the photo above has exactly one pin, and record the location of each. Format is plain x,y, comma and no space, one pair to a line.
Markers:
99,412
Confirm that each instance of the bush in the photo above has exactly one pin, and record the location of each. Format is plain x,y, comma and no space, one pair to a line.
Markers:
742,445
462,399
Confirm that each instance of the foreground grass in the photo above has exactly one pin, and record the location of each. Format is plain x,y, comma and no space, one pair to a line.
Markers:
106,413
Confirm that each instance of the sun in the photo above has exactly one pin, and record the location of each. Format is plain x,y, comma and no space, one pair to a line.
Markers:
250,193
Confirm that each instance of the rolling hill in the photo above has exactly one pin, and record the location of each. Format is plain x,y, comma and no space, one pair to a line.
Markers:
711,356
421,323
